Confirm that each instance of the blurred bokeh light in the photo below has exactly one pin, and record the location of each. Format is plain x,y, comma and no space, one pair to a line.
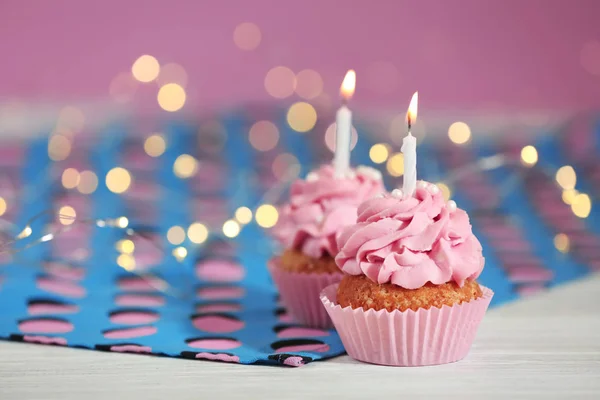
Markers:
302,116
247,36
280,82
263,135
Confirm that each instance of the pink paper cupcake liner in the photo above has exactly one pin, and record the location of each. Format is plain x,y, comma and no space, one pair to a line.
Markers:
409,338
300,294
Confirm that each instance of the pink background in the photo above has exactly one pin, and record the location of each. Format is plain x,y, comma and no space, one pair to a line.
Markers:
468,54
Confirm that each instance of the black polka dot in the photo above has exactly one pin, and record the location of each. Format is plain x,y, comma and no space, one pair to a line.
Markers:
15,337
34,301
219,302
125,279
279,328
107,347
53,319
192,354
226,338
122,311
295,342
215,314
21,338
279,311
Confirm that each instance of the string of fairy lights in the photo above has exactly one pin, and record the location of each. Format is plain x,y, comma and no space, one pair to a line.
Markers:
118,180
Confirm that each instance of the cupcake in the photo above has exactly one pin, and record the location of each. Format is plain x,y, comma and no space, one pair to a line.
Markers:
308,226
409,295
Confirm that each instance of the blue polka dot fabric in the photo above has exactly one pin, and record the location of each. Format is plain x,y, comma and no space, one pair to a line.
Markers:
85,287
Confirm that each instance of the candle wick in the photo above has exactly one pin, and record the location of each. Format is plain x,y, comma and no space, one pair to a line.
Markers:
409,124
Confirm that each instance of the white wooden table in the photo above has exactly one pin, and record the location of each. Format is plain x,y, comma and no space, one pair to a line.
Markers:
544,347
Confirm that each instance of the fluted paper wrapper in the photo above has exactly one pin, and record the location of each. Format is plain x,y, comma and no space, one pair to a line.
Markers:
300,294
409,338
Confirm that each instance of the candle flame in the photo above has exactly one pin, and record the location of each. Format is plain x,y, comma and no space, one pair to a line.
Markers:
411,114
348,85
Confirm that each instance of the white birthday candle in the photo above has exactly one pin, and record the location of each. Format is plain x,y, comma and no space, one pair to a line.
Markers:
343,123
409,150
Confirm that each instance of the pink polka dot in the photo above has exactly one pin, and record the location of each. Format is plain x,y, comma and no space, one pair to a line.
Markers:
212,218
500,230
64,271
134,158
45,340
218,307
287,318
205,203
148,259
78,232
143,213
138,284
45,325
516,259
294,361
211,174
61,287
218,357
513,244
143,190
147,251
217,323
584,239
77,254
267,181
11,155
128,333
219,293
293,331
221,248
63,247
51,308
214,343
528,290
588,253
527,274
139,300
220,271
319,348
557,213
133,317
131,348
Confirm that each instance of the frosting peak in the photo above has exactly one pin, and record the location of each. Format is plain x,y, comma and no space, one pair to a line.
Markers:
320,206
411,241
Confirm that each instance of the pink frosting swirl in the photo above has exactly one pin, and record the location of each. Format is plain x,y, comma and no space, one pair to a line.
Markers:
320,206
411,241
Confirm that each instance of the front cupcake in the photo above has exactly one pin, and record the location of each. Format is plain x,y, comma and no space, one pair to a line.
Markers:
409,296
308,226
